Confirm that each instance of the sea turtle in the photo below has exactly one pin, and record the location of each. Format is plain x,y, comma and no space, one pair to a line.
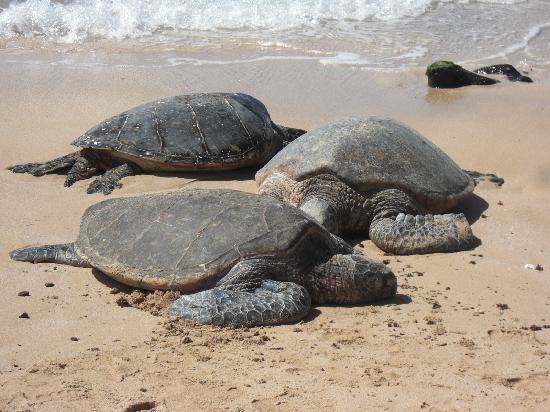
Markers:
372,176
242,258
210,131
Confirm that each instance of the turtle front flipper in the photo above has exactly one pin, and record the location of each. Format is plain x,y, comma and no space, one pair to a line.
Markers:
63,254
40,169
245,298
110,180
84,167
409,235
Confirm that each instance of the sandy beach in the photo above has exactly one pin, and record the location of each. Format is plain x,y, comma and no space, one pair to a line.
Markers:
467,331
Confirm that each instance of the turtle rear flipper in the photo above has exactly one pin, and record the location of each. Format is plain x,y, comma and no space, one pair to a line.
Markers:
62,253
40,169
245,298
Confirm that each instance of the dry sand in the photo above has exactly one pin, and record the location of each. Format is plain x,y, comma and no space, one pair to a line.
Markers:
458,336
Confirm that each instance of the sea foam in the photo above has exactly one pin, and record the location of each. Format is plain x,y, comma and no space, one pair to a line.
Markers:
79,20
376,33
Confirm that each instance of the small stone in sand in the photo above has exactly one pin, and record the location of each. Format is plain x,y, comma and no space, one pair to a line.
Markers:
49,285
502,306
24,315
533,266
24,293
74,338
122,302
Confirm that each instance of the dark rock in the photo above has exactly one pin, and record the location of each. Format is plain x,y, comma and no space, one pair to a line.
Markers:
24,293
506,69
122,302
448,75
24,315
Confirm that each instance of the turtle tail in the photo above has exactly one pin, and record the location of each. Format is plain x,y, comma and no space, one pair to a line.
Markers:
63,254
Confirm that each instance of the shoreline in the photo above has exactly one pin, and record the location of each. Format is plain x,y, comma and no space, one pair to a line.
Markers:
441,344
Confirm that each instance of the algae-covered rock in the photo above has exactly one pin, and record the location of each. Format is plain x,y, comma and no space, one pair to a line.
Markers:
447,75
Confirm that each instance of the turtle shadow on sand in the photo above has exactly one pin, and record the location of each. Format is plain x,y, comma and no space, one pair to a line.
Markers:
311,316
315,311
240,175
396,300
109,282
472,206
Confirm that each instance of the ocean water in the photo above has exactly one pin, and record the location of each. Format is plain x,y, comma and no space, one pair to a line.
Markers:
372,34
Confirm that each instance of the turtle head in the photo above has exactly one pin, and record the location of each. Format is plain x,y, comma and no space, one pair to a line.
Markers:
288,134
370,280
352,279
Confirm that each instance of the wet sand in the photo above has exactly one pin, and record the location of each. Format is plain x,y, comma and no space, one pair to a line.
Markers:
465,332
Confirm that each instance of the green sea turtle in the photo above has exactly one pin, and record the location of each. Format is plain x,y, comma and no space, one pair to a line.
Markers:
241,258
212,131
375,176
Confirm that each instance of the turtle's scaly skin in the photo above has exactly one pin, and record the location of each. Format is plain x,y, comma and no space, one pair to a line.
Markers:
211,131
352,174
251,259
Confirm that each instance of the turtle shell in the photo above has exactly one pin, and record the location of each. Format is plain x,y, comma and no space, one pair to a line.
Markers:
374,153
216,130
187,240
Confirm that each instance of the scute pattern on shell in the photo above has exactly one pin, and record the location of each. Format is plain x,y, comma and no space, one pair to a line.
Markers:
189,239
197,128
